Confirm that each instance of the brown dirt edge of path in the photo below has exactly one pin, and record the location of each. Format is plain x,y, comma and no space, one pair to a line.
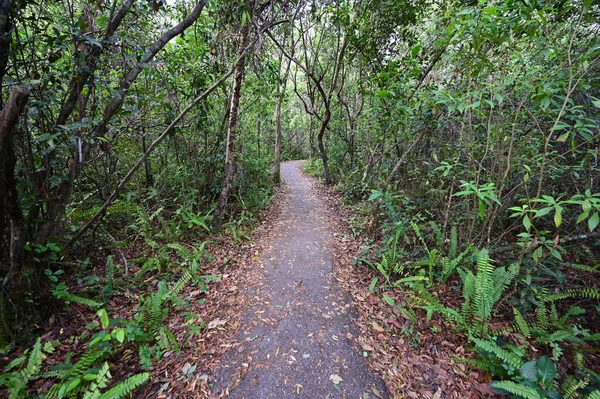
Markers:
420,371
221,312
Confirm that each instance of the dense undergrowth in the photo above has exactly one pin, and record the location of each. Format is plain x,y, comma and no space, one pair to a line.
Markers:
464,133
532,321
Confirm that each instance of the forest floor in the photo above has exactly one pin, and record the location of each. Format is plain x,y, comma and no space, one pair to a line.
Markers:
293,317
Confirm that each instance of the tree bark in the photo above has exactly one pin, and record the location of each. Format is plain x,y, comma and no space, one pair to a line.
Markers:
230,150
5,28
11,293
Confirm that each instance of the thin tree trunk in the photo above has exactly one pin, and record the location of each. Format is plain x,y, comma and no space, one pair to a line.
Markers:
277,163
280,95
230,153
322,151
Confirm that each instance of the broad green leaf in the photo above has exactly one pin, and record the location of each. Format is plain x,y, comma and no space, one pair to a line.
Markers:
543,211
527,222
530,371
103,318
558,218
593,221
546,369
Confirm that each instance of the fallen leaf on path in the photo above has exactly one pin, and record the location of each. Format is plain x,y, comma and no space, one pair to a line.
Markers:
216,323
377,327
336,379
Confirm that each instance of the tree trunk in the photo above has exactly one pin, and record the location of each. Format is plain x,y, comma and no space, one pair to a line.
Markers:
277,163
5,28
324,123
280,95
12,298
230,150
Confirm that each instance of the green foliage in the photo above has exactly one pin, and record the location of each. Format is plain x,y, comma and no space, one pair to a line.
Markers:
482,291
589,293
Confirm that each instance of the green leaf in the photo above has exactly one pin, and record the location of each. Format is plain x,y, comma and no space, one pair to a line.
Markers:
527,222
558,218
415,50
373,284
530,371
74,384
593,221
103,318
390,301
546,369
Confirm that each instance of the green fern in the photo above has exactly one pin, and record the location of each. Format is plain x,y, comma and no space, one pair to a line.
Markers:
415,227
450,263
95,389
126,387
586,293
4,344
594,395
571,385
72,298
511,359
109,274
520,390
591,255
180,284
17,380
521,324
583,268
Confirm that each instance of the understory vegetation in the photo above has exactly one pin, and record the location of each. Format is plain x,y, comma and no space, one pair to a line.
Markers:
135,135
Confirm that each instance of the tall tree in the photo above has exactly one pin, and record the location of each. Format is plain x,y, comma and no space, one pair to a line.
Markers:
230,149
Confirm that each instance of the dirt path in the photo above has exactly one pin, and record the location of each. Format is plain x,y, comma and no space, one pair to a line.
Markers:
297,334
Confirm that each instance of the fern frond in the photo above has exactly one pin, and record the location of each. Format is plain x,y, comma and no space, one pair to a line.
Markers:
558,336
110,270
587,293
101,382
468,293
520,390
509,358
591,255
583,268
541,318
521,323
419,236
571,385
594,395
451,263
34,365
557,351
4,345
125,387
87,361
72,298
410,279
180,284
482,299
486,365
